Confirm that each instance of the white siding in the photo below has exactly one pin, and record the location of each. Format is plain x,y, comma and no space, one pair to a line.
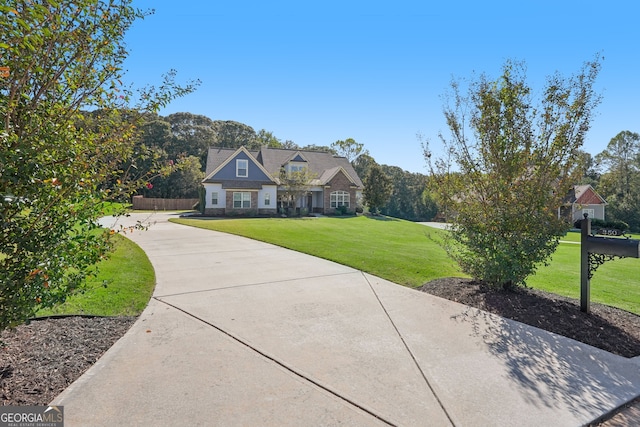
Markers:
272,191
318,196
214,188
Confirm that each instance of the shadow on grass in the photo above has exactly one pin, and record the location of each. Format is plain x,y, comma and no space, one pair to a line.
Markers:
381,218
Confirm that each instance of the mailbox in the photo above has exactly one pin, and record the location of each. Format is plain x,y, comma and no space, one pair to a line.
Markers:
596,250
626,248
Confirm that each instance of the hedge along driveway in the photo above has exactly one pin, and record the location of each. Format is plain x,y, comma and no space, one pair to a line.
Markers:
400,251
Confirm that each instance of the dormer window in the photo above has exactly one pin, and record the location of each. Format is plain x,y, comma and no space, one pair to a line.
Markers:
242,168
296,167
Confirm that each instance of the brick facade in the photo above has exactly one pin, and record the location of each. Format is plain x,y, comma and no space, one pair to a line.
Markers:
339,183
214,211
230,210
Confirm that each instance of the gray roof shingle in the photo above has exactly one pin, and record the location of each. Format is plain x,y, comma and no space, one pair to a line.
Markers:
324,165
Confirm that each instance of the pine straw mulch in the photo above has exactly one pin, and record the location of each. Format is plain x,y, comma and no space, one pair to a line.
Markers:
608,328
40,359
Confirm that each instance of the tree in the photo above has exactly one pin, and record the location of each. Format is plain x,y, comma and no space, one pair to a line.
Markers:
513,161
323,148
290,145
408,197
156,132
191,135
428,208
234,134
265,138
349,148
362,164
295,185
182,183
621,158
377,189
58,164
586,169
620,184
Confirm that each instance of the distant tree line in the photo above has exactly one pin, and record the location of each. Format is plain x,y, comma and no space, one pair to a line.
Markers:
182,140
615,174
409,198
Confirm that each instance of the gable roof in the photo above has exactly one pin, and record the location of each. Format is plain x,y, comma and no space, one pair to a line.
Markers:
330,173
218,158
585,195
322,164
297,157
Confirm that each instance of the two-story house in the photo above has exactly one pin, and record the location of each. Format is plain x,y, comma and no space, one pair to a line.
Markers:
249,182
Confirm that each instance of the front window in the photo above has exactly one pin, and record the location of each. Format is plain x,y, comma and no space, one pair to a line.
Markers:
242,168
242,200
591,212
339,198
214,199
267,199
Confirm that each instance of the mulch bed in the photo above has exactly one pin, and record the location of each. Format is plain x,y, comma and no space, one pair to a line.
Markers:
39,360
611,329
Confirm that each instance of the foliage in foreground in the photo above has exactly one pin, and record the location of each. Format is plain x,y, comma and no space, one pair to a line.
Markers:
57,164
508,166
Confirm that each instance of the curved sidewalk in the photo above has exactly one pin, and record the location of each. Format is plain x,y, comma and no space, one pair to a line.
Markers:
243,333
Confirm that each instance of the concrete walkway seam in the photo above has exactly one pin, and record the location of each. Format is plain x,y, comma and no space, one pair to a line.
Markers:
406,346
282,364
202,291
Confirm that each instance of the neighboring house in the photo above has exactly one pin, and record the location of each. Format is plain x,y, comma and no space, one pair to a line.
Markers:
580,200
247,182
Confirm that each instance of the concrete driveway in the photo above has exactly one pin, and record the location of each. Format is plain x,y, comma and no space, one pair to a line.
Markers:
243,333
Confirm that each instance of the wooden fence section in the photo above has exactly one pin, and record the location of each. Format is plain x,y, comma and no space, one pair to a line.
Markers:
153,204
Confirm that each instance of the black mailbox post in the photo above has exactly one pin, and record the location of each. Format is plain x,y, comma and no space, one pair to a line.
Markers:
594,252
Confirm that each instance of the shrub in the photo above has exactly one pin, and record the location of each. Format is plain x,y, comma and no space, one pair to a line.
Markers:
60,162
599,223
506,168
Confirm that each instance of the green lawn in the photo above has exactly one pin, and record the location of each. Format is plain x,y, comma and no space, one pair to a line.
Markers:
572,236
615,283
397,250
408,253
123,286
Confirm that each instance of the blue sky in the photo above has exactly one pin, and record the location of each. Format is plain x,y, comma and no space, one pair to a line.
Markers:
318,71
